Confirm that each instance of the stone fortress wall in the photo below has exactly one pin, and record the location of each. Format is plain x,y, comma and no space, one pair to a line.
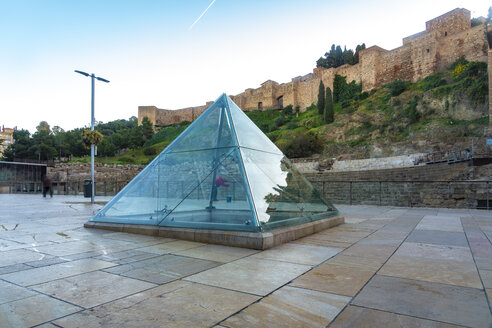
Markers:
445,39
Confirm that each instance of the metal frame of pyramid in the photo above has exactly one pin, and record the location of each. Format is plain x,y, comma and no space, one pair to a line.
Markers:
223,177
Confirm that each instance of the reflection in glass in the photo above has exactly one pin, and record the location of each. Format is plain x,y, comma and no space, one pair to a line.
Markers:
281,194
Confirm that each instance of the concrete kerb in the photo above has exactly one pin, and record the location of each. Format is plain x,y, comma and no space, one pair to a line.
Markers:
254,240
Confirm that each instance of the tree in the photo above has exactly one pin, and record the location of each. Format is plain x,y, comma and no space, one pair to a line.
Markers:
345,91
21,145
328,114
348,56
43,126
59,134
43,144
358,49
336,57
147,129
321,97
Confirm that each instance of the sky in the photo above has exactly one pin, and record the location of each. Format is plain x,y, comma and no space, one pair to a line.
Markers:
167,54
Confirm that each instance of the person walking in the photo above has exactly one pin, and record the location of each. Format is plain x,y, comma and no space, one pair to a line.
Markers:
47,185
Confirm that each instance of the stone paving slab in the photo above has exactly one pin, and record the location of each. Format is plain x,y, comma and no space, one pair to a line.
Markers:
93,288
33,311
172,246
138,239
442,223
435,252
377,252
18,256
356,262
80,246
432,270
11,292
336,279
177,304
217,253
358,317
320,240
290,307
14,268
438,238
432,301
57,271
162,269
126,257
300,254
255,276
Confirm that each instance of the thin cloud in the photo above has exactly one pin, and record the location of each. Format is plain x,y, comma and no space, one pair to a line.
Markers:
199,17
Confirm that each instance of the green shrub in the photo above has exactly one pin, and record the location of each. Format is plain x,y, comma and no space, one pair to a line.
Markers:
287,110
432,81
149,151
363,95
347,103
311,107
397,87
168,134
411,110
126,160
292,125
300,143
279,121
460,61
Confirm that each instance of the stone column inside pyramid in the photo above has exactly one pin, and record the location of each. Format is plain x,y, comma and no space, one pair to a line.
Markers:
222,173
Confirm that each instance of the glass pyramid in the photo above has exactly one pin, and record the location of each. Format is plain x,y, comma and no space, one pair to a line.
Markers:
221,173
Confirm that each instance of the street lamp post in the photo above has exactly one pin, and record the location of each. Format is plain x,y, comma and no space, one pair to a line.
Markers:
93,77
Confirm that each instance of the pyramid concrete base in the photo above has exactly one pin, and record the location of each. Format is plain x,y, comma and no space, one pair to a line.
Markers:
255,240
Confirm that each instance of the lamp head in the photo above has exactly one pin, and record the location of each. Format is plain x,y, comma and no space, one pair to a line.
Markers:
83,73
101,79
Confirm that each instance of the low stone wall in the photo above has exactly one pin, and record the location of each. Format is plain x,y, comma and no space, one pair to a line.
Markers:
439,185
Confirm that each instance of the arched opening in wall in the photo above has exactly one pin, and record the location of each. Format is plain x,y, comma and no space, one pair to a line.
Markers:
280,102
260,106
428,50
445,33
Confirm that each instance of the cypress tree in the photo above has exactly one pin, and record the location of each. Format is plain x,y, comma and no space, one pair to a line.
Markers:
329,114
321,98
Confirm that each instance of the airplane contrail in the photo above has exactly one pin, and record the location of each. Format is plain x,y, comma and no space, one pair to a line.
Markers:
210,5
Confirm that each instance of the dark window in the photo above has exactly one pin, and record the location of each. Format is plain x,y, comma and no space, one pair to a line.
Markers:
280,102
428,50
260,106
445,33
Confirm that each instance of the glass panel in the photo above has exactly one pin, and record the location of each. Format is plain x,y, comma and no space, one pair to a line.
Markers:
181,173
221,201
211,129
136,203
248,134
282,196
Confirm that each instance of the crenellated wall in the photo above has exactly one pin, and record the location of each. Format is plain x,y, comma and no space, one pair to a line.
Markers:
445,39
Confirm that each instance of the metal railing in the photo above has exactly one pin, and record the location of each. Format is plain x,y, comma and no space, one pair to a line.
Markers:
452,194
102,188
449,156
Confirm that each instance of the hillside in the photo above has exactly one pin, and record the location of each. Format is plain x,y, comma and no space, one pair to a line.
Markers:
443,111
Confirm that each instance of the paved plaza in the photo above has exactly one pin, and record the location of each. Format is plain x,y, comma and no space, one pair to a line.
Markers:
385,267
